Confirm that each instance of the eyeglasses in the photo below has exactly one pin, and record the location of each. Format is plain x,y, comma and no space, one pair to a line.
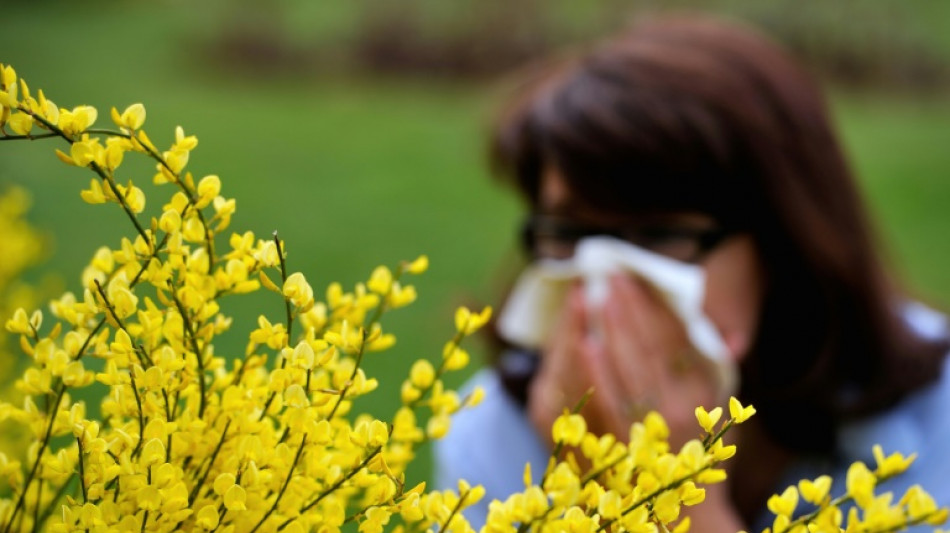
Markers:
554,237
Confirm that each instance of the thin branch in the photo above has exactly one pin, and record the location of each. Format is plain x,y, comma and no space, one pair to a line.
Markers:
458,507
140,354
283,277
82,472
28,137
214,455
283,489
335,486
199,356
138,403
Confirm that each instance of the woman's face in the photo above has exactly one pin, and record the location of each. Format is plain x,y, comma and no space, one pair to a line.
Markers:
734,276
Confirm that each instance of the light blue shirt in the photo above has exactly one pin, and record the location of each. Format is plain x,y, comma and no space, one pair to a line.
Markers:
490,444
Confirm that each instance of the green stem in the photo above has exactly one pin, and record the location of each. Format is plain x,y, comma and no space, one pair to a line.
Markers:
82,472
214,455
140,354
27,137
92,335
39,498
710,442
672,485
594,474
199,356
349,382
148,472
335,486
138,403
455,510
110,181
283,277
283,489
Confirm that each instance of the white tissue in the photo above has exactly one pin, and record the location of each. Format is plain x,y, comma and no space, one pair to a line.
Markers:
533,305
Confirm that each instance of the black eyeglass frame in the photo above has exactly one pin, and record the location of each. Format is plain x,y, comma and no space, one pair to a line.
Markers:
570,232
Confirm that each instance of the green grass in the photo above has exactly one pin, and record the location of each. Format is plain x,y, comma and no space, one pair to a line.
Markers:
900,152
357,173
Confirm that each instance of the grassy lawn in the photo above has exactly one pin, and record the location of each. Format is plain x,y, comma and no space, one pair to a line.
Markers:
357,173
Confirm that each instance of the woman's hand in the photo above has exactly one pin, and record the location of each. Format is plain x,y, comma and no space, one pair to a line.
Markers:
635,354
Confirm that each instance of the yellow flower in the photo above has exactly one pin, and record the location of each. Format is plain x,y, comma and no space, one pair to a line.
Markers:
223,482
19,323
132,118
454,357
564,487
298,291
569,429
170,221
124,302
739,413
85,151
370,434
153,452
860,483
476,397
21,123
656,427
609,505
891,465
134,197
816,491
708,420
711,476
785,503
467,322
208,517
77,120
666,507
400,296
692,456
149,498
690,494
375,519
418,266
422,374
295,397
438,426
235,498
75,375
183,142
380,281
638,521
408,393
208,189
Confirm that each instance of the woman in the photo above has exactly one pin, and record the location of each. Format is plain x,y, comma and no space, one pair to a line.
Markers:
703,142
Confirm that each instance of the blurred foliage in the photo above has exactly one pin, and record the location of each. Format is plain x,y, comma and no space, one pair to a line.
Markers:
886,42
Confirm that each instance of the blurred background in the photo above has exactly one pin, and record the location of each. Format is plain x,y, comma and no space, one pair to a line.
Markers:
356,129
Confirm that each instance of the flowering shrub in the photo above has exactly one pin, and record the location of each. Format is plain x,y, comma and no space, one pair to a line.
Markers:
189,440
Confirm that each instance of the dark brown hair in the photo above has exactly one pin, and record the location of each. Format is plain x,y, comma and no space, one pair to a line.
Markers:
688,113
